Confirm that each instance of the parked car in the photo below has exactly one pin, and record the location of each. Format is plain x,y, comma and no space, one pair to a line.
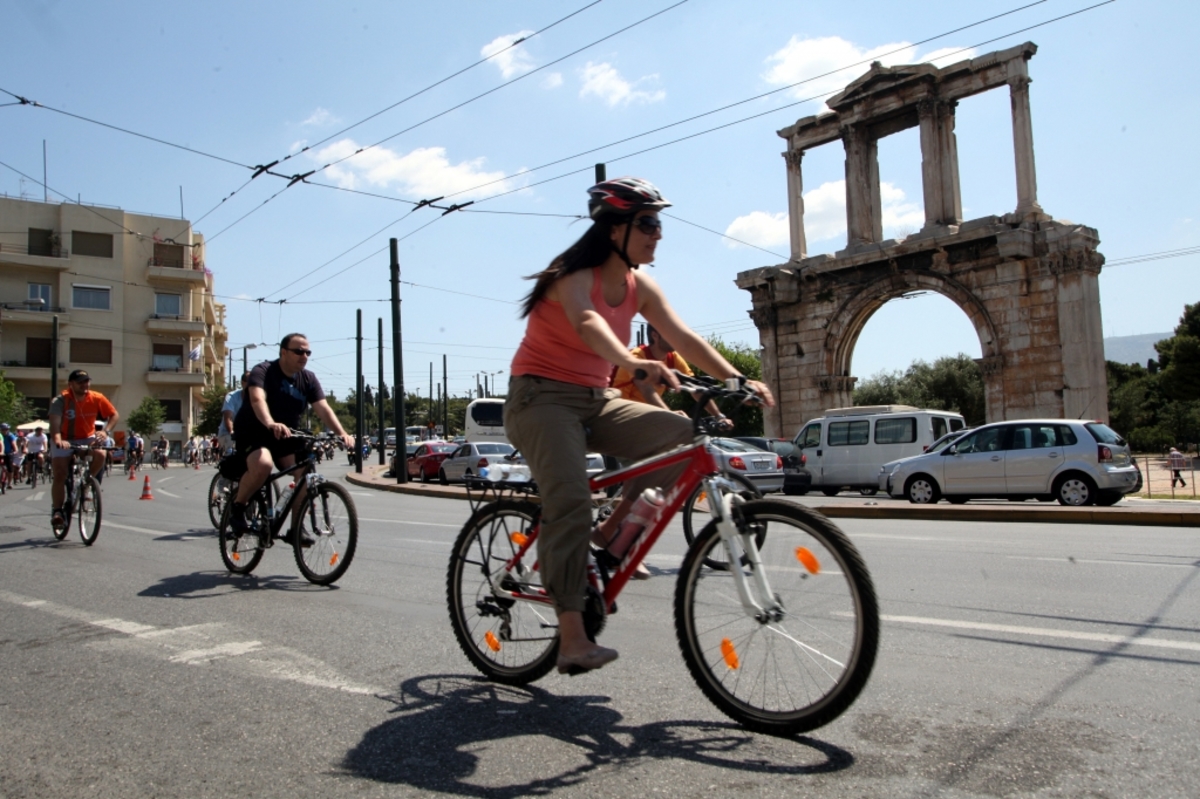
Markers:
886,469
763,469
796,479
469,458
410,448
1072,461
426,460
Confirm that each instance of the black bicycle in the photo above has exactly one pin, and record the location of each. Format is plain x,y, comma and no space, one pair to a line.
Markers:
324,528
82,500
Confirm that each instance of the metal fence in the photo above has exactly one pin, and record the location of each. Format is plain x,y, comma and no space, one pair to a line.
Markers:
1159,478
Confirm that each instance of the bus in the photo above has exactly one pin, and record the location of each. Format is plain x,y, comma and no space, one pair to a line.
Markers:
485,420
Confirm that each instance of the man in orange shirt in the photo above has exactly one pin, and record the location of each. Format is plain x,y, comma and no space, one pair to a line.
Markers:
659,349
73,417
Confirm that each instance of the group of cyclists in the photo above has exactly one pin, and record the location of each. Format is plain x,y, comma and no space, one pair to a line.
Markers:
24,457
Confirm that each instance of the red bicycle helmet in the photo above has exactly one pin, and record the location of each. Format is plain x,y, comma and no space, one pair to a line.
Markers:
624,196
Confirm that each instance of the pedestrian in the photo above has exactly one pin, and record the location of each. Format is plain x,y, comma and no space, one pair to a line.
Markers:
1176,463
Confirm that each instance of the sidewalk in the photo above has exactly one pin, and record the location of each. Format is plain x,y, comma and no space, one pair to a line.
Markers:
1130,511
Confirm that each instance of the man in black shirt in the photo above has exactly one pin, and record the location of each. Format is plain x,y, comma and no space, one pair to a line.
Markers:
277,393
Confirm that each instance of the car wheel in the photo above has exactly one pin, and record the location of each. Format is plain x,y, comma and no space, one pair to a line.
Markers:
424,476
957,500
1108,498
1075,490
442,477
831,492
922,490
795,492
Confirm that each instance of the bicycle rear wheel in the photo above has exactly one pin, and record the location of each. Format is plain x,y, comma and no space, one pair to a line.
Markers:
696,514
509,641
241,553
219,494
328,520
87,510
802,668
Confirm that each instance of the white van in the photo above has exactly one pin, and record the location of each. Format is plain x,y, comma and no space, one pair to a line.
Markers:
485,421
845,447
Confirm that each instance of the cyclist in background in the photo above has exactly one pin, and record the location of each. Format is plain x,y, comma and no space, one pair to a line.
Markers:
559,405
73,417
233,404
10,448
658,349
137,450
35,449
162,449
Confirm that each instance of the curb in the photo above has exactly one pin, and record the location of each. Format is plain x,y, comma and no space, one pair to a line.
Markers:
893,510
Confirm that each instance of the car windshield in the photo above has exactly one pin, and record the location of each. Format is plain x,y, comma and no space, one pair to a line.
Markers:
1104,434
945,441
494,449
733,445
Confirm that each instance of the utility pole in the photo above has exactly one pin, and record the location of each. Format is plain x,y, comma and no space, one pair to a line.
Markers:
379,399
430,424
359,422
398,415
54,358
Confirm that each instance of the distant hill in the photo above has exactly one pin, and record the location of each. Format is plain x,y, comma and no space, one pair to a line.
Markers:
1133,349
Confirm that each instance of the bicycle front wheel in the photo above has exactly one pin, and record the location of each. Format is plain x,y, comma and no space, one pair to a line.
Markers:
328,534
219,492
87,510
696,514
241,553
510,641
802,663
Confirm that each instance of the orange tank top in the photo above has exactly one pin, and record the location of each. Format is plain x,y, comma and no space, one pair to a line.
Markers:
552,349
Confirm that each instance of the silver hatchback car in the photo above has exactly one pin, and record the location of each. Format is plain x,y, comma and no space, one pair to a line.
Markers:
1072,461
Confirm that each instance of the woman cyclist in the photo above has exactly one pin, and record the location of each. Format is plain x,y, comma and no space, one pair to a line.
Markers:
558,408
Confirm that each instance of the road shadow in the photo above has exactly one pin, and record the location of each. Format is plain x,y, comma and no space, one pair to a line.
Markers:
444,724
213,584
192,534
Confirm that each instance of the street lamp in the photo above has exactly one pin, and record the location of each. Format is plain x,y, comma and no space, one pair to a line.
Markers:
247,347
486,391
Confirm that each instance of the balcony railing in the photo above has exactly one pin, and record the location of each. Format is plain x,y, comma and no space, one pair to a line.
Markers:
31,364
170,263
46,251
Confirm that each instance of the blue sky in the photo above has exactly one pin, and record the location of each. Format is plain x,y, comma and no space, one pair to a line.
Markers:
1113,111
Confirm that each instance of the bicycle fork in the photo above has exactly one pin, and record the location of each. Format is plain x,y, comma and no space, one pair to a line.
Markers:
754,591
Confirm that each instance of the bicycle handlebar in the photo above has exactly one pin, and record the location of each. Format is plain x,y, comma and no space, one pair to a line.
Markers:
704,389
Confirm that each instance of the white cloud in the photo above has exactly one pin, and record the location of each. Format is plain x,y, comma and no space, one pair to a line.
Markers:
803,59
297,146
512,61
552,80
320,117
605,82
825,217
423,173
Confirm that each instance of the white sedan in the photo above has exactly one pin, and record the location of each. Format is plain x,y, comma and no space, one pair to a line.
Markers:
469,458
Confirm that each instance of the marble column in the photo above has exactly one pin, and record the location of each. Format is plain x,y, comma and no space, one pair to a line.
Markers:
795,189
1023,145
931,162
951,213
864,214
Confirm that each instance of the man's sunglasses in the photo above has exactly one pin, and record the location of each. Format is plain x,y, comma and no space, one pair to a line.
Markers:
305,353
648,225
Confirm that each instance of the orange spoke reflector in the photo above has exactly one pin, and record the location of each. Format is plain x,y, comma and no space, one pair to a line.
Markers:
492,642
729,653
703,496
518,538
235,556
333,559
808,559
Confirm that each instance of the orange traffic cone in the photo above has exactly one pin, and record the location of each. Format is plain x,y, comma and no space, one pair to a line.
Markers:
131,474
146,489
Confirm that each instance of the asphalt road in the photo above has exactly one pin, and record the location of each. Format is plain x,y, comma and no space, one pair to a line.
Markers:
1016,660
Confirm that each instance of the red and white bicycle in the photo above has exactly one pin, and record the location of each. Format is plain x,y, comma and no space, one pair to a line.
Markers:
783,642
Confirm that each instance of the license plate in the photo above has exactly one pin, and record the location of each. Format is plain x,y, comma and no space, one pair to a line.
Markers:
761,466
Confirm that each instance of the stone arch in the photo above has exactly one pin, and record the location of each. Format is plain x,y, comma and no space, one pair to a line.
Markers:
848,322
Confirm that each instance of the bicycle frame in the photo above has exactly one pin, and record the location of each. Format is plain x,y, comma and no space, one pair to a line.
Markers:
309,480
701,468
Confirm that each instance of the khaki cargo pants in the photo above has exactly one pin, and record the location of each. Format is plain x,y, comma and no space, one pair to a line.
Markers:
555,425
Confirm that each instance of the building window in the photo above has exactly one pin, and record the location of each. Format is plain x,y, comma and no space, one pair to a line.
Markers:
38,352
41,242
40,291
174,409
91,350
168,304
167,357
99,245
95,298
168,255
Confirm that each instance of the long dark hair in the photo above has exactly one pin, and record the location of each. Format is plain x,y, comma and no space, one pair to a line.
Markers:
591,250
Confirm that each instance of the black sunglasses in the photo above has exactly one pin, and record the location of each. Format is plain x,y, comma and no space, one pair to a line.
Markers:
305,353
648,225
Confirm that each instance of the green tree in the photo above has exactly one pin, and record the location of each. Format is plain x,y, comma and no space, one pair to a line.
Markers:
14,408
147,418
211,403
952,383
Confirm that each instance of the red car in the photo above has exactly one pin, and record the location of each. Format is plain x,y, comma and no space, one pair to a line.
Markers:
427,460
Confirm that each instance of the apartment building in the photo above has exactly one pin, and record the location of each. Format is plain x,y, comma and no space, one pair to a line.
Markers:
133,303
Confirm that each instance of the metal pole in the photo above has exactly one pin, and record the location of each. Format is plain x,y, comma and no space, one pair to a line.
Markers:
445,401
244,368
229,377
398,414
429,416
358,399
54,358
379,400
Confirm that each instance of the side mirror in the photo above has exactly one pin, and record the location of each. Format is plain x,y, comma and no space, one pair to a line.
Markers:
951,450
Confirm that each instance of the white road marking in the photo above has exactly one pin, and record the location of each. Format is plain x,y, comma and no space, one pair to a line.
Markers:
165,479
214,644
1192,565
419,524
168,494
1103,638
35,497
887,537
106,523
